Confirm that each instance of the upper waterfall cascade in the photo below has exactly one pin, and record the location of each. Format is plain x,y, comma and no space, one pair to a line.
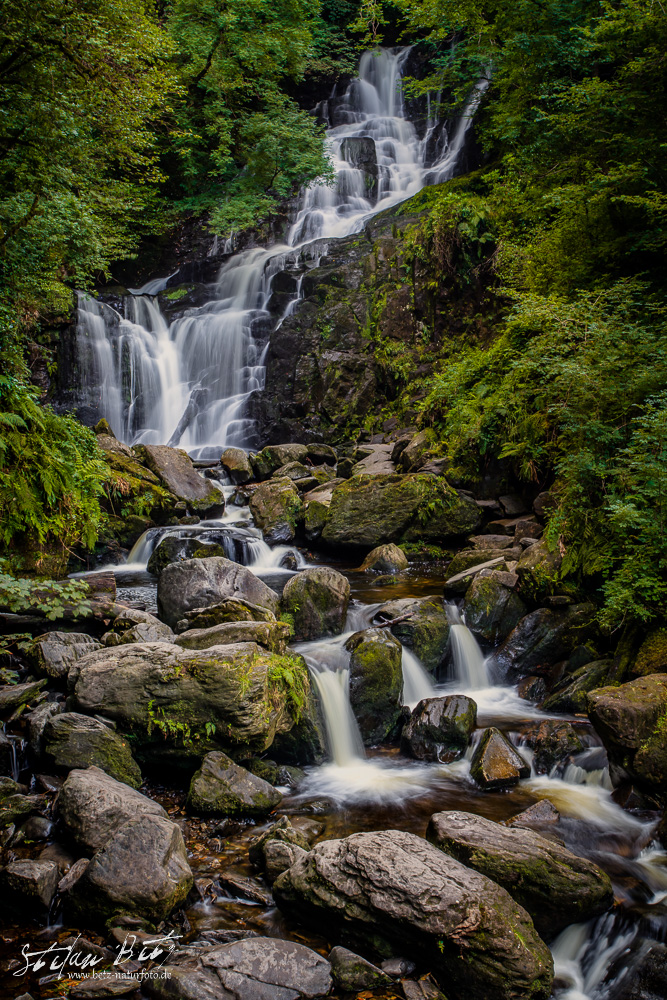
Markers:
188,384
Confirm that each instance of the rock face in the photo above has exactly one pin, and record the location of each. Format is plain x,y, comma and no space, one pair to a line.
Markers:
387,558
556,887
174,468
376,680
142,869
424,627
439,728
93,805
256,968
368,510
237,464
496,764
632,721
317,600
492,609
197,583
543,637
277,509
270,635
169,697
221,787
73,741
52,654
397,892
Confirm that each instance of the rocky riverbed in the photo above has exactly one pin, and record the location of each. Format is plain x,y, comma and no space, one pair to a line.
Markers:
328,726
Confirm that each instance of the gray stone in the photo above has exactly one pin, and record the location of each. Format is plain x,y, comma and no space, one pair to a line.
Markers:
37,720
439,728
273,636
230,610
491,609
387,558
30,884
544,637
277,510
353,973
237,464
221,787
317,600
52,654
197,583
174,468
423,627
376,682
76,741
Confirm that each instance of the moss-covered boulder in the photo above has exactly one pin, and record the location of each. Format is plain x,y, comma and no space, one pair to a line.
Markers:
496,764
72,741
238,465
555,886
539,570
632,721
180,703
294,471
376,681
198,583
423,628
439,728
394,893
368,510
652,655
544,637
469,563
175,470
52,654
233,609
570,694
352,973
174,549
277,509
274,456
316,601
273,636
222,788
316,505
492,609
388,558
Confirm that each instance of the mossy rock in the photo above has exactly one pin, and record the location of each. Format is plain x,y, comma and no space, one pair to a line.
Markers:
424,630
222,788
173,549
571,694
316,601
73,741
376,681
652,655
277,509
492,609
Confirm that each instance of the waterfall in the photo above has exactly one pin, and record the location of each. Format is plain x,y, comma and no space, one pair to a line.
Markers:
417,684
344,738
189,384
469,663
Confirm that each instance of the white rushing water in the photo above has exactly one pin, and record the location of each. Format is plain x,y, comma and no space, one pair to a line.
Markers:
189,384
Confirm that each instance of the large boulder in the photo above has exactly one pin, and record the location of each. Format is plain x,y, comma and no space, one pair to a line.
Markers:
274,456
423,627
468,564
92,806
221,787
492,609
368,510
632,721
256,968
394,892
316,600
439,728
316,505
142,870
556,887
72,741
376,681
495,763
273,636
175,470
387,558
52,654
182,702
544,637
277,509
237,464
197,583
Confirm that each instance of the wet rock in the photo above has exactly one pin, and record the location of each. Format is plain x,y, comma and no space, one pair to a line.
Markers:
92,806
496,764
540,814
421,989
76,741
396,967
37,828
468,563
649,976
317,600
230,610
571,692
393,890
221,787
275,774
173,549
359,151
256,968
274,456
387,558
439,728
368,510
270,635
631,721
555,886
538,569
532,688
30,885
316,508
277,509
52,654
174,469
198,583
652,655
545,636
162,694
278,857
353,973
424,627
237,464
13,696
553,742
142,870
491,609
376,681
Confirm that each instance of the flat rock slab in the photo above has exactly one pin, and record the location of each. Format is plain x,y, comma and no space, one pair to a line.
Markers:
555,886
395,892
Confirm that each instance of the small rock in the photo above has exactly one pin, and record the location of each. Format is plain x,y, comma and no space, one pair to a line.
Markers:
221,787
237,464
397,967
439,728
387,558
542,813
353,973
532,688
421,989
552,741
496,764
31,884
